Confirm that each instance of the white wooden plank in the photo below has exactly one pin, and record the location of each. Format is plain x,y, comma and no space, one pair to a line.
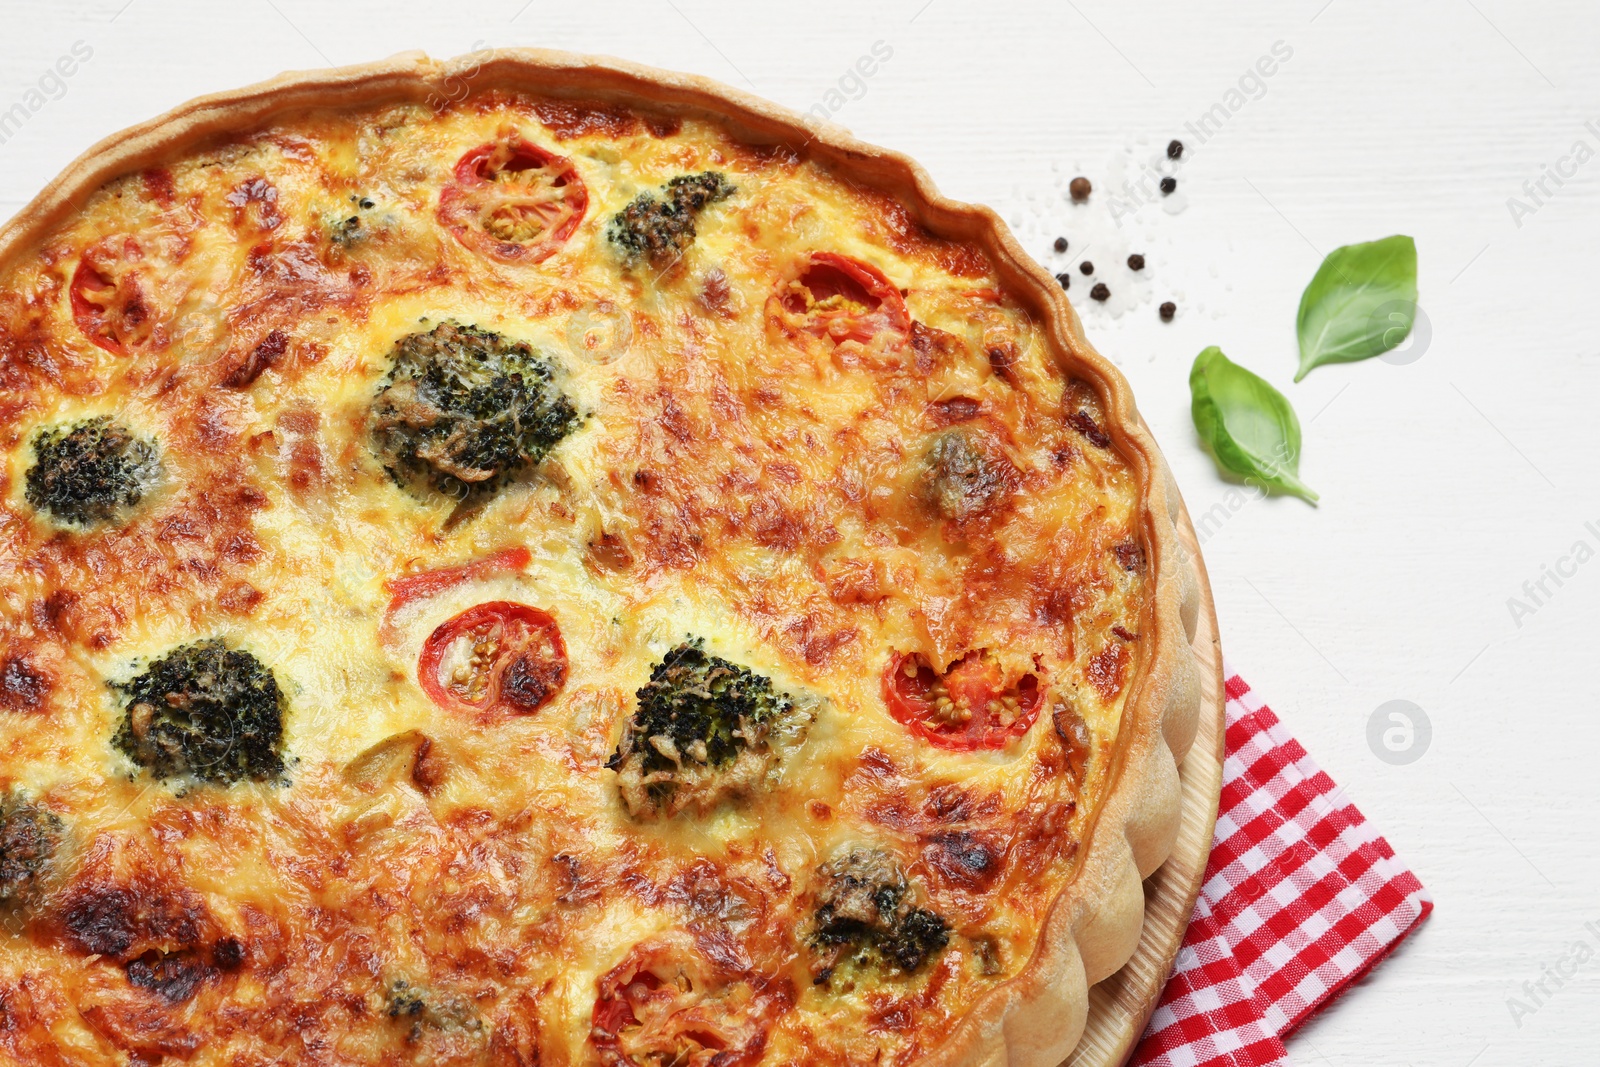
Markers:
1447,483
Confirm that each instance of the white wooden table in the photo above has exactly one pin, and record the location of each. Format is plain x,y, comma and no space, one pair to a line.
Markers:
1448,481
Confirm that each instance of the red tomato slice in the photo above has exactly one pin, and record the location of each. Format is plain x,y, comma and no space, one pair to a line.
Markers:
514,201
413,587
661,1005
496,658
107,295
843,299
971,707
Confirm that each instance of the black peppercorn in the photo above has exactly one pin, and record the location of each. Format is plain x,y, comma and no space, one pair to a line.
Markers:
1168,310
1086,267
1136,262
1061,244
1174,149
1100,291
1065,279
1168,185
1080,188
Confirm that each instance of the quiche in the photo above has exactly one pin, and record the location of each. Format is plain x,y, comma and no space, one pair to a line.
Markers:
535,560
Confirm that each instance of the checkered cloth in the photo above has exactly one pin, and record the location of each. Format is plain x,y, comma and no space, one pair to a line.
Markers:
1301,897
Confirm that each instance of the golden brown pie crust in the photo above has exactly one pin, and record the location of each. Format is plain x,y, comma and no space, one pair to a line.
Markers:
1094,925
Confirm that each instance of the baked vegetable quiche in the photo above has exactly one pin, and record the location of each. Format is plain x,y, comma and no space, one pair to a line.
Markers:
536,561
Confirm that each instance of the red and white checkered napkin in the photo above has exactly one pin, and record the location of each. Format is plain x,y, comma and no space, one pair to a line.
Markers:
1301,897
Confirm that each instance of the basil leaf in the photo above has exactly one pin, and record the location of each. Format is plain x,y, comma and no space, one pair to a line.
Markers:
1248,426
1360,304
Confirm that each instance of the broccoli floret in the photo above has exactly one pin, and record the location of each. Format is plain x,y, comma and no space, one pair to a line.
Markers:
91,472
864,916
430,1009
702,706
463,410
692,192
204,710
959,480
921,935
703,731
29,836
347,230
661,229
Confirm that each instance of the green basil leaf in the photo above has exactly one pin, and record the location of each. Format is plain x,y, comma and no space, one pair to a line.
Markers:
1360,304
1248,426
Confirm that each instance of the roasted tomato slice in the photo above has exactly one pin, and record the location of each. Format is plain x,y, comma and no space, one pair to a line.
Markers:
109,302
499,657
662,1005
971,706
841,299
514,201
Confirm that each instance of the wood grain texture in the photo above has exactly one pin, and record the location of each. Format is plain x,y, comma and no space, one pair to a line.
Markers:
1120,1006
1447,483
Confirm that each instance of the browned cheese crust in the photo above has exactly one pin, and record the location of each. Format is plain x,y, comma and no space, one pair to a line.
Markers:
831,447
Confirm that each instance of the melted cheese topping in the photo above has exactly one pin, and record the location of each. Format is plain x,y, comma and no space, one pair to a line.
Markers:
757,487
